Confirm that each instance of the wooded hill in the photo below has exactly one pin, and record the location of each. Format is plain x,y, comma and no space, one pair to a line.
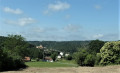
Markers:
64,46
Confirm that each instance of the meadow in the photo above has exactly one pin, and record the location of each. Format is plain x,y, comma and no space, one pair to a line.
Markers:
63,63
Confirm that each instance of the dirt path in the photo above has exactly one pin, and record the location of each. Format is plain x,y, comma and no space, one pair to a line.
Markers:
108,69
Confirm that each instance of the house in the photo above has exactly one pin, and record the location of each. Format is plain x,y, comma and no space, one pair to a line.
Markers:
48,59
66,55
59,57
41,47
61,53
27,59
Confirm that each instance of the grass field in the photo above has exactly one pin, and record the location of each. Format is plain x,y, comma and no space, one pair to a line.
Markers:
63,63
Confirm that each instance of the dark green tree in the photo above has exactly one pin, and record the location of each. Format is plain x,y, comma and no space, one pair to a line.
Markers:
54,56
12,50
80,57
95,46
69,57
89,60
16,46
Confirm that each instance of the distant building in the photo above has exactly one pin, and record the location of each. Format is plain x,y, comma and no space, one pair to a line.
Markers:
41,47
48,59
61,53
59,57
27,59
67,55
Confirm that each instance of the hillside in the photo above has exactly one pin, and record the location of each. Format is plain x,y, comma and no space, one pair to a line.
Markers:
65,46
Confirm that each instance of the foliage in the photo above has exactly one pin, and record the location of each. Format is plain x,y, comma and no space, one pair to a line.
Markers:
98,59
64,46
95,46
54,56
15,45
35,53
110,53
69,57
83,58
80,57
9,63
13,48
89,60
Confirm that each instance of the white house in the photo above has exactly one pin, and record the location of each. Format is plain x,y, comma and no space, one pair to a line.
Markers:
59,57
67,55
61,53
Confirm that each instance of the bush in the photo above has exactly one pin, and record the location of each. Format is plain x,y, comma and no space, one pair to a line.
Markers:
19,63
110,53
95,46
69,57
9,63
89,60
98,58
54,56
80,57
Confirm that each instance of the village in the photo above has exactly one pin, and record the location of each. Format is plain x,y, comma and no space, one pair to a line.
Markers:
47,58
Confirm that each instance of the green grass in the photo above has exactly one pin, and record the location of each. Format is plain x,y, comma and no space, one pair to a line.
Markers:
67,61
51,64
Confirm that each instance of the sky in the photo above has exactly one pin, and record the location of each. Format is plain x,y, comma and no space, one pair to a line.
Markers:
60,20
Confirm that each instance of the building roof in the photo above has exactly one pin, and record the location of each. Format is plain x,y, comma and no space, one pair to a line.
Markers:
41,47
48,58
27,59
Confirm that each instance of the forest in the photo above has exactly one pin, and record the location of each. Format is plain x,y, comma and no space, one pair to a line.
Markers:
64,46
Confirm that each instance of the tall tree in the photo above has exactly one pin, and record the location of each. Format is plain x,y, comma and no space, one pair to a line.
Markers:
110,53
15,45
95,46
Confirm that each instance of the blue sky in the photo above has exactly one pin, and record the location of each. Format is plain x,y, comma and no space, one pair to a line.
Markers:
60,20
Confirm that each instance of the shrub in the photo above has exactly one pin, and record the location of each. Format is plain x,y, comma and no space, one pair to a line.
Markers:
98,58
54,56
80,57
69,57
19,63
89,60
110,53
10,63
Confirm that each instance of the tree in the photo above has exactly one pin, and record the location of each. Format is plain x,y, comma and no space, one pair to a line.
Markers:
98,58
80,57
12,50
54,55
89,60
15,45
110,53
95,46
69,57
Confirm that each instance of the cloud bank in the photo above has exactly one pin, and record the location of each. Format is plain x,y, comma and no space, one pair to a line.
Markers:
21,21
58,6
13,11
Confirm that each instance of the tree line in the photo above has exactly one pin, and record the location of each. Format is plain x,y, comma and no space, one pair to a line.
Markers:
98,53
64,46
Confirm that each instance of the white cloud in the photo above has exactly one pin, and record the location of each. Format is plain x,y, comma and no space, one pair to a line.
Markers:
97,36
58,6
21,21
13,11
72,28
97,7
